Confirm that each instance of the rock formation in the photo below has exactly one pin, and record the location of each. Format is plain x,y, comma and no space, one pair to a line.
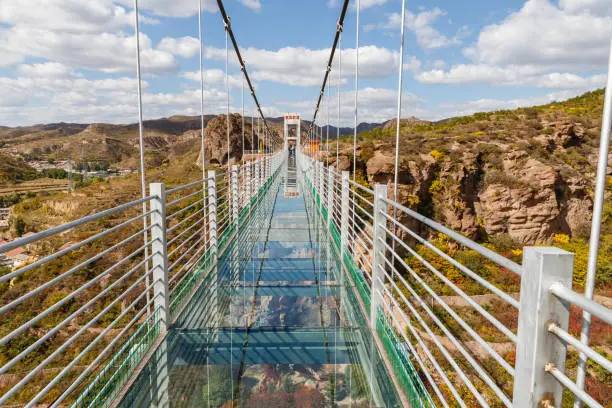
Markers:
524,198
216,139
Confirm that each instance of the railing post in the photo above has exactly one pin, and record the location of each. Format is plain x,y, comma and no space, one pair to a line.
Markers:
159,259
235,203
212,228
315,172
330,195
247,184
379,251
265,168
260,181
344,214
212,212
322,192
255,177
536,347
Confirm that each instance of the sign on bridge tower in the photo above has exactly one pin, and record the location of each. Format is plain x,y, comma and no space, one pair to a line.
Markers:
292,130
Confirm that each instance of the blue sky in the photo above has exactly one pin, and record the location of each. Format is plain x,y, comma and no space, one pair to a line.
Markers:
74,60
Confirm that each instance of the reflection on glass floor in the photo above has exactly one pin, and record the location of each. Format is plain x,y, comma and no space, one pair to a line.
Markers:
276,325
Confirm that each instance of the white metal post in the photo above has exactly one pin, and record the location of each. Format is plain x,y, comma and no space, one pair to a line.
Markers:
536,347
235,203
598,204
159,260
322,192
212,228
379,250
212,211
235,212
330,195
315,173
344,215
257,177
247,184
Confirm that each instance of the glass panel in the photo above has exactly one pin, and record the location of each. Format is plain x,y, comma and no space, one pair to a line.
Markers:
277,325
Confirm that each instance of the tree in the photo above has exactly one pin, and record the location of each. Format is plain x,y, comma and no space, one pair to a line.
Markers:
19,225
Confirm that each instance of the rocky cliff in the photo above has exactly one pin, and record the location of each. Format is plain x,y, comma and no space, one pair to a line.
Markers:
527,173
216,138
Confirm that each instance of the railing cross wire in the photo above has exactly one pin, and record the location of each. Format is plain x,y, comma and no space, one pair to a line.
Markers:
398,286
81,320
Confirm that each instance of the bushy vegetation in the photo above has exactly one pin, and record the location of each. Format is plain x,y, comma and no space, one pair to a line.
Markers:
561,135
13,170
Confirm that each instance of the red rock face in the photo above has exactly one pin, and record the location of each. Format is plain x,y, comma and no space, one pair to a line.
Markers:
524,197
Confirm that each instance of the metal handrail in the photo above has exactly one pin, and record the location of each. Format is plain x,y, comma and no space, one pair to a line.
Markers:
556,292
65,227
183,187
188,249
594,308
486,252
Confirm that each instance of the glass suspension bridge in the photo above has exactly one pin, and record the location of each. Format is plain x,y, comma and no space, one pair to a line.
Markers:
280,282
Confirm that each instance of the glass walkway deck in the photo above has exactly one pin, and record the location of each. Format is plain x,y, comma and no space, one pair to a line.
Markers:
277,324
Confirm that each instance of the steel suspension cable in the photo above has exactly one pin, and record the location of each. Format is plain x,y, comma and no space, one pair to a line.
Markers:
339,78
243,117
228,27
143,184
259,144
339,26
356,91
203,140
200,34
227,122
399,114
327,137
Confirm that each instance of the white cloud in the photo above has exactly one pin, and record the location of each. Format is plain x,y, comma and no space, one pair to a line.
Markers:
76,16
216,78
174,8
182,8
375,105
422,24
412,64
427,36
488,105
594,7
513,75
185,47
557,80
477,73
45,70
107,52
545,35
252,4
305,67
78,33
364,4
27,100
541,45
